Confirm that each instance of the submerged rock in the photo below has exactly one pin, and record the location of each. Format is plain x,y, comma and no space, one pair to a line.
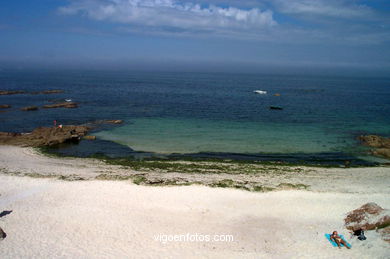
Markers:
89,137
107,122
380,144
44,136
61,105
5,106
29,108
113,121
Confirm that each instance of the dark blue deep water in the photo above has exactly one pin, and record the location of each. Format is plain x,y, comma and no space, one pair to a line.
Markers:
202,114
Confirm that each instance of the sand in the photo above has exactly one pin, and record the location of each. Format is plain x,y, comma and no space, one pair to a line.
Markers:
51,218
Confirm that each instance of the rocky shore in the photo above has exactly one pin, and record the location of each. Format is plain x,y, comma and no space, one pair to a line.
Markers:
44,136
71,213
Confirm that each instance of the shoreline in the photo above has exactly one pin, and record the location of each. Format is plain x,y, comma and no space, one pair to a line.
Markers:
119,152
66,140
86,217
27,161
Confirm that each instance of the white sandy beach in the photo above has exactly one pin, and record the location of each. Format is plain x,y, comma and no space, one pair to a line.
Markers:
51,218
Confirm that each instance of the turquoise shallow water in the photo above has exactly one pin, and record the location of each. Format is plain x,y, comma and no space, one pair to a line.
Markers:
201,112
196,135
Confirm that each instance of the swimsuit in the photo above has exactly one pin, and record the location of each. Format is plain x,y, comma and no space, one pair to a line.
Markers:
337,238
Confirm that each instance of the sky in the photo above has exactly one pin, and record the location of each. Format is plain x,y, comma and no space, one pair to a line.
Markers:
196,34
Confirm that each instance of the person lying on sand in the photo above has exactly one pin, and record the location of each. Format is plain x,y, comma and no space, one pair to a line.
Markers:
335,237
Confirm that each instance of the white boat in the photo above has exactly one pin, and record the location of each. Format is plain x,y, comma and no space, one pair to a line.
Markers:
260,92
68,100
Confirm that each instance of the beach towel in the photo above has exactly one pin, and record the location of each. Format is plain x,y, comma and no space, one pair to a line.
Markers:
334,243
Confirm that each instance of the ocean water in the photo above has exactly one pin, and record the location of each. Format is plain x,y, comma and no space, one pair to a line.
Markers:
193,113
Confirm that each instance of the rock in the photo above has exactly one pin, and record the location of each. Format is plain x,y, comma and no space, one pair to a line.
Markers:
44,136
368,217
5,106
11,92
106,122
380,144
375,141
89,137
113,121
29,108
275,108
61,105
49,92
385,152
277,94
385,233
2,234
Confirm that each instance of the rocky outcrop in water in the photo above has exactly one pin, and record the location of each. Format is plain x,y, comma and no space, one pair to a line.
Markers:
29,108
4,92
68,105
44,136
89,137
380,145
109,122
102,122
5,106
370,216
49,92
11,92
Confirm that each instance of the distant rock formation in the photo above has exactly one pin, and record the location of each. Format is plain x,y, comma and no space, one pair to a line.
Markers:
48,92
5,106
4,92
11,92
44,136
370,216
275,108
61,105
29,108
380,144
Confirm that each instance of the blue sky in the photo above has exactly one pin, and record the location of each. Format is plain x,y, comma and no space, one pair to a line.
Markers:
196,33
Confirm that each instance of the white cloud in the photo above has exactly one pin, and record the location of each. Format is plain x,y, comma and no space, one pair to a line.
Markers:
314,21
173,15
329,8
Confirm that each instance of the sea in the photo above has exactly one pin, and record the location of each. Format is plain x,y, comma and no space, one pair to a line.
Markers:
208,115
